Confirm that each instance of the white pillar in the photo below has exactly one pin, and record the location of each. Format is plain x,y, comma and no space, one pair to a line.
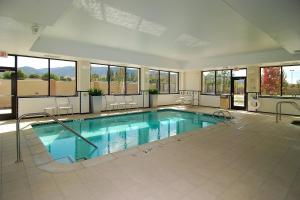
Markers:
83,75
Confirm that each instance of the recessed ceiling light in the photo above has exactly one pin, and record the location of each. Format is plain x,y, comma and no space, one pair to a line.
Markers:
152,28
121,18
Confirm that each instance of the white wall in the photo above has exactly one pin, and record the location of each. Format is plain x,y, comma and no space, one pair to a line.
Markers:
269,105
166,99
210,100
192,80
32,105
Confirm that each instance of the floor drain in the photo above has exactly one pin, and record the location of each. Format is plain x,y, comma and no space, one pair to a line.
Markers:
147,150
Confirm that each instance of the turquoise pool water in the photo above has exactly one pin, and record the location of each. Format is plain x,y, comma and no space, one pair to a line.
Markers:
116,133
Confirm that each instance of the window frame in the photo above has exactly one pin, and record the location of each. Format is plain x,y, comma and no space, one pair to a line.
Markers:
216,76
215,93
215,86
178,84
48,95
125,78
281,81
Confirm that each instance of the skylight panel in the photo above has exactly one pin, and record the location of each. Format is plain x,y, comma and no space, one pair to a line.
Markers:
93,7
151,28
121,18
190,41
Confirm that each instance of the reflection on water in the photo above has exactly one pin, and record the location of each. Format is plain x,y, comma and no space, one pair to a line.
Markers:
115,133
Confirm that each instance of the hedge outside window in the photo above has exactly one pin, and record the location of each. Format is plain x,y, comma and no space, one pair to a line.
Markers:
153,79
164,82
208,82
99,77
223,82
117,80
32,76
62,78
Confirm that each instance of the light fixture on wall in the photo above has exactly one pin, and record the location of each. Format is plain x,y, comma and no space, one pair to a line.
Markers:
35,29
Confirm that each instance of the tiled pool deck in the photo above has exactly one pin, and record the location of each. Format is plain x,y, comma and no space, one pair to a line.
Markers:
250,158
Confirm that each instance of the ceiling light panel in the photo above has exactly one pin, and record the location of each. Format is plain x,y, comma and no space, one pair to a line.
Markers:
121,18
151,28
93,7
190,41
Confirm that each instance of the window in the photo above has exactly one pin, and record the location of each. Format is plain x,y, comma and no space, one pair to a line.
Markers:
132,81
99,78
208,82
291,80
223,82
174,82
32,76
62,78
111,79
270,81
117,80
153,79
43,77
239,73
8,61
164,82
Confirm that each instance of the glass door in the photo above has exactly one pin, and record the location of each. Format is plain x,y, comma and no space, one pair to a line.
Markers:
7,94
238,96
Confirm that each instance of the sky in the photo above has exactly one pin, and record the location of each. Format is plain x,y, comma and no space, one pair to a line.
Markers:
292,72
36,63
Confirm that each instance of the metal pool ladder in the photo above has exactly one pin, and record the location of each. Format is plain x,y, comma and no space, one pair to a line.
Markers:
279,105
223,112
19,159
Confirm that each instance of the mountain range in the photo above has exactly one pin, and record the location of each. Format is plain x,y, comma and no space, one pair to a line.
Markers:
67,71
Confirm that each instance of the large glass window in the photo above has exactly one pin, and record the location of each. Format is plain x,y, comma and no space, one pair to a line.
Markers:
173,82
208,82
8,61
164,82
99,77
62,78
239,73
32,76
132,80
117,80
153,79
291,80
223,82
270,81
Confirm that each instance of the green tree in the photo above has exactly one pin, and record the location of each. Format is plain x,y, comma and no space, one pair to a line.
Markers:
21,75
6,75
35,76
52,76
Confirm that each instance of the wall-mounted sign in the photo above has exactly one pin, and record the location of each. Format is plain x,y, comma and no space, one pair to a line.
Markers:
3,54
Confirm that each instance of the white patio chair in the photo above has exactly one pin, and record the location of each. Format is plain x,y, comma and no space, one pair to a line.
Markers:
111,102
64,104
187,100
121,101
51,108
130,102
179,99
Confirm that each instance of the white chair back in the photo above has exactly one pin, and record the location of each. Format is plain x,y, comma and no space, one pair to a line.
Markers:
62,101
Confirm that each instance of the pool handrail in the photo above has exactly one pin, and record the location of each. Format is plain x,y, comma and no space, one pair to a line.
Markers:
279,105
19,159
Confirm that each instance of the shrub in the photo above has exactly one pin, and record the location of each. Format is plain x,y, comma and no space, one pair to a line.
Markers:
153,91
95,92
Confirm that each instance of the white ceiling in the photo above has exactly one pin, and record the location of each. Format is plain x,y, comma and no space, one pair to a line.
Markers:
164,33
